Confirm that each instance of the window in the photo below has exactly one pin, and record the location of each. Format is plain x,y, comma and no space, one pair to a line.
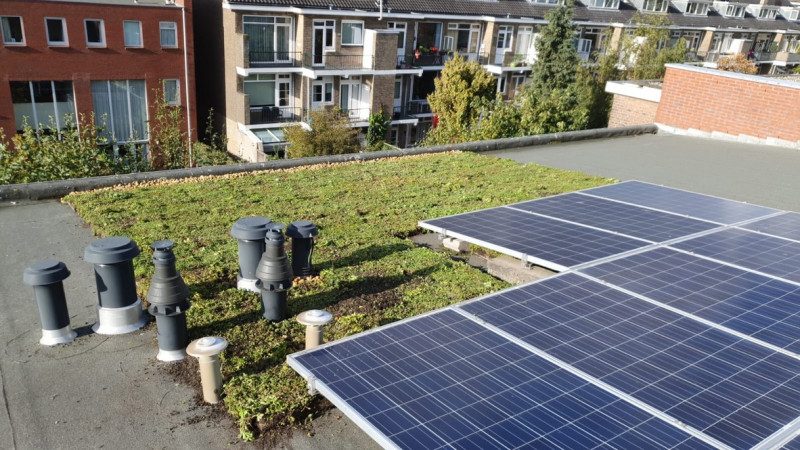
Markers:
169,34
767,13
172,91
697,9
655,5
42,103
352,33
56,28
464,36
734,11
269,38
501,85
401,37
133,33
95,33
322,93
120,108
548,2
605,4
12,30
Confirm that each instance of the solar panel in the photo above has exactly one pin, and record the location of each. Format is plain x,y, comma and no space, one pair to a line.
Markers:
732,389
548,242
758,306
442,380
635,221
786,225
681,202
753,251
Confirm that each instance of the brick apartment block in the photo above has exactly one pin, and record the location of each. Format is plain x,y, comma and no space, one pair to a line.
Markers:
106,57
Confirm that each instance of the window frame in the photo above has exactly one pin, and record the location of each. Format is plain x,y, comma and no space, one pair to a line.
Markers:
361,36
177,100
21,30
58,116
65,42
124,34
102,29
697,6
174,29
322,85
664,6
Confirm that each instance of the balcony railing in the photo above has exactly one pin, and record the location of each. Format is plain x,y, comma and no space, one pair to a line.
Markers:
274,114
275,59
426,59
415,107
357,114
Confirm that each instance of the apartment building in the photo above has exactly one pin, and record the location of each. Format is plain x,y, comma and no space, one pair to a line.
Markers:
107,57
283,59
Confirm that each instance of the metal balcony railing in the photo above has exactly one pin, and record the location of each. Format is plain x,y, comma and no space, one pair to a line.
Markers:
414,107
426,59
274,114
274,59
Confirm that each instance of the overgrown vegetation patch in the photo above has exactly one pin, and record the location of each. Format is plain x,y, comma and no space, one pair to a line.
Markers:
365,274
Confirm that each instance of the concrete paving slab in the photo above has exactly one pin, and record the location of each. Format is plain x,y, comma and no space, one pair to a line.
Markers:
99,391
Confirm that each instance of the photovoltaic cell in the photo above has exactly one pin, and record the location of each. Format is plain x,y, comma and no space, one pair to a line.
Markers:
550,240
732,389
759,252
681,202
443,380
752,304
636,221
785,225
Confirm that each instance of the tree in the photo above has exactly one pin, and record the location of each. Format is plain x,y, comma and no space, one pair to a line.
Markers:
737,63
645,55
212,149
557,61
376,131
330,134
169,144
463,91
554,99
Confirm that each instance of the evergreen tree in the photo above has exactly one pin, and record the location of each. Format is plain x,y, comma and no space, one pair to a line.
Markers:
557,60
464,91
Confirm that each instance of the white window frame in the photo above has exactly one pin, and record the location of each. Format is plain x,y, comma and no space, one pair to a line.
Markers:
65,42
58,116
102,42
360,37
173,26
655,3
604,4
734,10
322,85
501,84
21,27
177,86
697,9
767,14
141,38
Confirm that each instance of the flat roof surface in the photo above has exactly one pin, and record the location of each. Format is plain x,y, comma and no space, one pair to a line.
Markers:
108,390
759,174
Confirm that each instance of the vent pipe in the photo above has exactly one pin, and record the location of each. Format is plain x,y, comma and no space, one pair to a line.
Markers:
250,232
168,296
315,321
274,275
302,233
207,351
47,278
119,310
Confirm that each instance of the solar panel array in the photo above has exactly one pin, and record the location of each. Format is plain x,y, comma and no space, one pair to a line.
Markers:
689,338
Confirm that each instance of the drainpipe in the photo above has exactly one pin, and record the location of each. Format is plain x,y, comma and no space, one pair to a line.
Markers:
186,80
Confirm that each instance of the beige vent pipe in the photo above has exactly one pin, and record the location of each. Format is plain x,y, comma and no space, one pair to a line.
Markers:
315,321
207,350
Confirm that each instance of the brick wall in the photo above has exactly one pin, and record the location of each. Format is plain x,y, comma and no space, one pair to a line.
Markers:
631,111
723,102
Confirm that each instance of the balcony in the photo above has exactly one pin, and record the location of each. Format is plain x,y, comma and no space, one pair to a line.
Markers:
275,59
427,59
332,61
274,114
357,114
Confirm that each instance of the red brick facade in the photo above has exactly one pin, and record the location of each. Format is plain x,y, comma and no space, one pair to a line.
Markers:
713,101
36,61
631,111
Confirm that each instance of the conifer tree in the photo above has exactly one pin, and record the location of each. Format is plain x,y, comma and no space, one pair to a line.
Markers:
557,60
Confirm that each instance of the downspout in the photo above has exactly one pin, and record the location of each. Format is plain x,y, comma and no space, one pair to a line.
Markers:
186,79
380,14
